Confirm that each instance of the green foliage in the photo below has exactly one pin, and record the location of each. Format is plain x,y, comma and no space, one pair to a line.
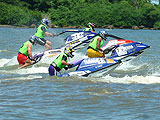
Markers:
13,15
150,14
60,15
157,25
124,13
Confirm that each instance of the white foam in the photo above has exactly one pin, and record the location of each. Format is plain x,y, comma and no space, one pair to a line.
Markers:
3,62
28,70
12,61
157,73
31,70
127,66
132,79
3,50
30,77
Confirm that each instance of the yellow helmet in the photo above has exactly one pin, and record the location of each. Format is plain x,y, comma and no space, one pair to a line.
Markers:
68,51
91,25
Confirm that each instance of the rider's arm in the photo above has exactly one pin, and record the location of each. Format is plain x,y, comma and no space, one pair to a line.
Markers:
98,44
64,62
29,50
64,58
47,34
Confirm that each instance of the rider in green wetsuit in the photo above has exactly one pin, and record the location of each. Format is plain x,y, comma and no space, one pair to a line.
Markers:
42,32
60,62
25,55
91,27
94,49
24,48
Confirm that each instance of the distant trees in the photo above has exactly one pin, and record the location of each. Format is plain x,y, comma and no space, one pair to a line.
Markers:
125,13
13,15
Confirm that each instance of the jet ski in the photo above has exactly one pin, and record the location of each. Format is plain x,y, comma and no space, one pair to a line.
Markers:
49,53
91,66
124,50
79,39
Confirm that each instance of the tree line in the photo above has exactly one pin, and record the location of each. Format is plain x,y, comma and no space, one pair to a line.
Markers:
125,13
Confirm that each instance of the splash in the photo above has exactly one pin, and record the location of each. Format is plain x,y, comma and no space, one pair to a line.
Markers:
3,50
29,70
127,66
133,79
30,77
3,62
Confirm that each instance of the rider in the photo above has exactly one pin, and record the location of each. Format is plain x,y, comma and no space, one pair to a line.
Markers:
94,49
25,55
91,27
61,61
42,32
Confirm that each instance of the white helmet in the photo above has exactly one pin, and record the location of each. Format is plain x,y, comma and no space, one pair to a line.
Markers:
45,21
103,34
33,39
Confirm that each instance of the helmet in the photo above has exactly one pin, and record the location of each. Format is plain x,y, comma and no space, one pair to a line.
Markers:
45,21
68,51
33,39
103,34
91,25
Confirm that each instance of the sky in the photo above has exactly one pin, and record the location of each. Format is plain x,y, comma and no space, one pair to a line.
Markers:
155,1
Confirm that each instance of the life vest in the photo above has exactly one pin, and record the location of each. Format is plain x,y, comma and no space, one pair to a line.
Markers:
24,48
87,29
58,61
39,33
93,43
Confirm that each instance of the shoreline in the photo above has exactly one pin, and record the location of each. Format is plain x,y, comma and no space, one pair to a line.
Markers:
105,27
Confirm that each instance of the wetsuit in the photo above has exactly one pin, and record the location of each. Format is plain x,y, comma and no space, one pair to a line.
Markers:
40,34
23,53
92,50
57,65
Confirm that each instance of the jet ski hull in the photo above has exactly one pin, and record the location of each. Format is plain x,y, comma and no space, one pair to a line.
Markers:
93,66
124,50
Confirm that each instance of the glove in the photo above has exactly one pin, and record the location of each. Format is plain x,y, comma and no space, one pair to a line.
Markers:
106,51
111,48
70,65
66,68
31,58
57,34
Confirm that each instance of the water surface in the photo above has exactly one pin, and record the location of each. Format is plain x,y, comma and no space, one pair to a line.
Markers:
130,92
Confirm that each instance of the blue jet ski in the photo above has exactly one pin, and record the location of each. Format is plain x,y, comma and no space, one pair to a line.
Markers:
89,66
123,50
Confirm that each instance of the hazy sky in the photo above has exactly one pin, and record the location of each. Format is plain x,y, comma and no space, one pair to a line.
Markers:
155,1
